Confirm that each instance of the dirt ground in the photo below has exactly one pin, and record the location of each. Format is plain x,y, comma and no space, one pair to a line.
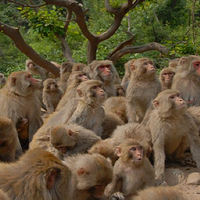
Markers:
177,175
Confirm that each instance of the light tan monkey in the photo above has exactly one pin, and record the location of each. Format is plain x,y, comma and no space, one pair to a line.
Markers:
91,174
166,77
132,171
51,94
37,175
73,82
19,99
187,80
104,70
172,130
142,89
10,148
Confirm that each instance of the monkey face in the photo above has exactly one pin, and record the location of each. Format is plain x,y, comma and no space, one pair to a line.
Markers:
136,153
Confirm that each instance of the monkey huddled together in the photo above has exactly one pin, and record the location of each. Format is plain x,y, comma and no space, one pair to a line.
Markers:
92,135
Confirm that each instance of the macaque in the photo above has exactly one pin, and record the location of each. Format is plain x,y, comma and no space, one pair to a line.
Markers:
104,70
65,71
127,75
2,80
172,130
3,195
73,82
120,90
116,105
72,139
51,94
9,142
106,148
142,89
160,193
90,173
187,80
195,113
174,63
132,171
37,175
35,69
19,99
79,67
166,77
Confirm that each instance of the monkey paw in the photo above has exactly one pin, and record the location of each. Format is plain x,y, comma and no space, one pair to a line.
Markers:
117,196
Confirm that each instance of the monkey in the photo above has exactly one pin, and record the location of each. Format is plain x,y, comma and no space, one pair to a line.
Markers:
166,77
73,82
172,131
160,193
79,67
174,63
10,148
142,89
187,80
131,172
3,195
116,105
72,139
2,80
22,129
127,75
37,175
65,71
91,173
195,113
106,148
19,99
51,94
35,69
104,70
120,90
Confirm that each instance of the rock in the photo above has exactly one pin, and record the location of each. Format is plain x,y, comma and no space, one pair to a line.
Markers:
174,176
193,179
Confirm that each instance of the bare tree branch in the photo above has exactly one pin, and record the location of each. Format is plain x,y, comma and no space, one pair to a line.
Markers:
17,38
139,49
26,5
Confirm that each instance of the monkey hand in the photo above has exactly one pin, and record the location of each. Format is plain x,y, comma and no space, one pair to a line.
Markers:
117,196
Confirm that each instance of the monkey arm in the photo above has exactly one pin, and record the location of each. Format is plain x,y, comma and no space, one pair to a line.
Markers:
131,112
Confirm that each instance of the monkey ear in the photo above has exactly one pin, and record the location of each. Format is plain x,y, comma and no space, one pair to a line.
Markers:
70,132
51,177
81,171
118,151
79,92
155,103
183,61
132,67
13,81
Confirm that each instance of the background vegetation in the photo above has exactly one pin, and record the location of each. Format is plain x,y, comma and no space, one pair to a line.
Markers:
173,23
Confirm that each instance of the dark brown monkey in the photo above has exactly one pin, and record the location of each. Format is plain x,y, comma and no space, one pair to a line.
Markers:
116,105
187,80
172,130
73,82
104,70
127,75
65,71
160,193
72,139
51,94
166,77
142,89
37,175
120,90
19,99
91,174
35,69
2,80
132,171
9,142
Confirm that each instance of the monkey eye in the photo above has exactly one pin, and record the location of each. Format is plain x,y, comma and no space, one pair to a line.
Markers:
164,74
178,95
140,148
133,149
197,64
145,63
94,87
101,67
108,66
171,97
29,76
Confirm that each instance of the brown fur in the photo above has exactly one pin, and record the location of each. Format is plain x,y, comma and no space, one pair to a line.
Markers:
2,80
3,195
19,99
79,67
187,81
37,175
172,128
129,176
108,83
51,94
120,90
174,63
160,193
89,171
142,89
